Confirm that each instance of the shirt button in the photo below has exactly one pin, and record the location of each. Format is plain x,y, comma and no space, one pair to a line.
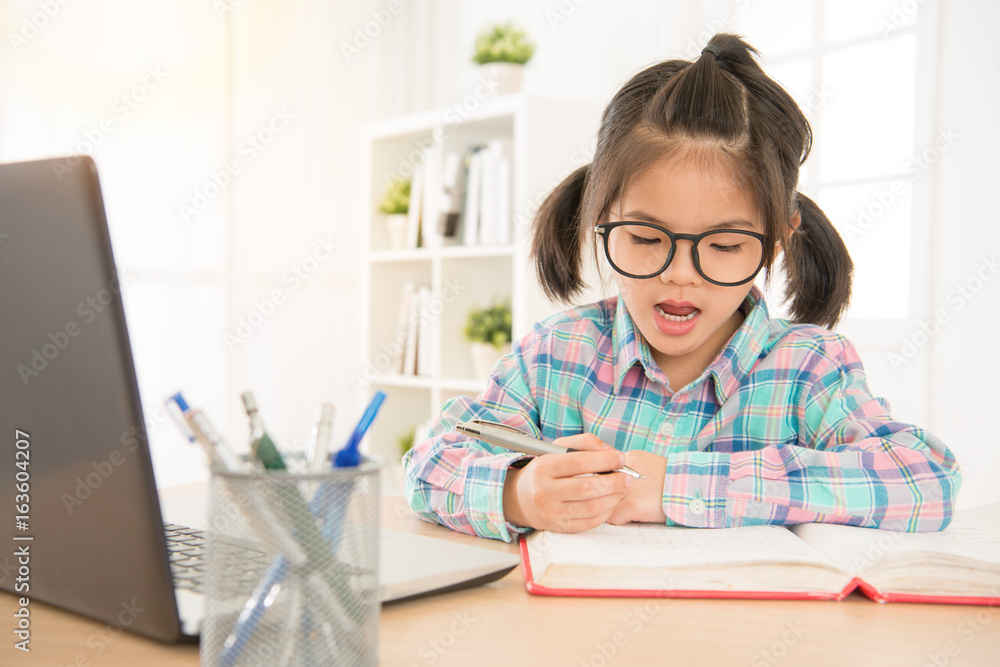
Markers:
491,528
697,506
666,429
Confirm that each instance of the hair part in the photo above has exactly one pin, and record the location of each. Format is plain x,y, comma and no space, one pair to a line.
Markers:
723,110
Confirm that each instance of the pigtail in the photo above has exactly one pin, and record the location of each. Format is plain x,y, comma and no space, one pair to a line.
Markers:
556,246
818,268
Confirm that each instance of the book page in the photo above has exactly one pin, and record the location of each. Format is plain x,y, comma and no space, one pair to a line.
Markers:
972,538
656,545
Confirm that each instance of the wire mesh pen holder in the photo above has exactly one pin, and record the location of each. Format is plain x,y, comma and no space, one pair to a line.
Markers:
292,571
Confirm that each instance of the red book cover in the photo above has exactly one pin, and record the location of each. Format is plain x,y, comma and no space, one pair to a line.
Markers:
535,588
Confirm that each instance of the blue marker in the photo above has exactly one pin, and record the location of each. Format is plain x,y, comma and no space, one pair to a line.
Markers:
349,456
176,407
252,612
336,496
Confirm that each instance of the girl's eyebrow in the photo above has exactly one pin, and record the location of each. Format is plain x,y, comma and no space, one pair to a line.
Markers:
735,223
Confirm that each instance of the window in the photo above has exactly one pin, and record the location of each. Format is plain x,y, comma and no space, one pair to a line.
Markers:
859,70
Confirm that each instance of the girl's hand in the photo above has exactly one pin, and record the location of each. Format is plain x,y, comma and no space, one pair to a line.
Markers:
644,500
546,494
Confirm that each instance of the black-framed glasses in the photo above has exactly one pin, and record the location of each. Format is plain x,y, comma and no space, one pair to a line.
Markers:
725,257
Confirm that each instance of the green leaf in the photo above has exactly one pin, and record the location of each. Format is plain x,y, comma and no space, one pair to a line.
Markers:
490,325
503,43
397,197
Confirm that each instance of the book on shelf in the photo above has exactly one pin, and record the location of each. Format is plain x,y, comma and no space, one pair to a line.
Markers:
399,362
412,333
409,311
450,208
471,195
415,207
495,193
423,330
815,561
433,163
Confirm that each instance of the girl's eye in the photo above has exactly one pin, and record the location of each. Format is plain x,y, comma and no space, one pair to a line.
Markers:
643,240
738,247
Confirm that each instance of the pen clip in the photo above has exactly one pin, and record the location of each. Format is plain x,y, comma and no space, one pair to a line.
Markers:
486,422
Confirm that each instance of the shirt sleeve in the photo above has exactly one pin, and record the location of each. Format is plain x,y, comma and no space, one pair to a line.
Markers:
853,464
457,481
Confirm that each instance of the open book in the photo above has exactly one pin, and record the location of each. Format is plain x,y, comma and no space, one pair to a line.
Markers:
959,565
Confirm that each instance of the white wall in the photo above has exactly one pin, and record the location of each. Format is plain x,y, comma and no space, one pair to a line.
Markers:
963,388
260,89
229,73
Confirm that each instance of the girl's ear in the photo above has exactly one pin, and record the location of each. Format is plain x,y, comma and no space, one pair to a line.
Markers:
793,226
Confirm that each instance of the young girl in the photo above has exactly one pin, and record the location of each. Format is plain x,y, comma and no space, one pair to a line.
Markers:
732,418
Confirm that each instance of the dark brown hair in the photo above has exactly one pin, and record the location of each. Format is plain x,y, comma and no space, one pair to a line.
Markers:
749,124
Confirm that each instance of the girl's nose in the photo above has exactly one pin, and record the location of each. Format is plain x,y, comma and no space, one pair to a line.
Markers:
681,270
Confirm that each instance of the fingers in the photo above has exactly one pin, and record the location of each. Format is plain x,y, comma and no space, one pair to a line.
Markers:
567,521
564,492
582,463
588,501
593,486
583,441
573,516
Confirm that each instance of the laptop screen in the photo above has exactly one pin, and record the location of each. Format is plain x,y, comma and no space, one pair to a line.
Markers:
81,501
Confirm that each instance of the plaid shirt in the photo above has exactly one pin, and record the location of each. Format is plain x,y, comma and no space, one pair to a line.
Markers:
781,428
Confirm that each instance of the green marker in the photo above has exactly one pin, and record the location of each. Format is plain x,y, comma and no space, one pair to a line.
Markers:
261,444
293,508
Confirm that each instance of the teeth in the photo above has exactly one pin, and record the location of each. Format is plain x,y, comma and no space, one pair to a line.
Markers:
676,318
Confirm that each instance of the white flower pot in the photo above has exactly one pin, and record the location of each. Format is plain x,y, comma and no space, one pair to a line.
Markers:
485,357
395,230
503,78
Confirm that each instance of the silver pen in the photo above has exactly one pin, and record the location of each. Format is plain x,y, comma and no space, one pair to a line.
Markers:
502,435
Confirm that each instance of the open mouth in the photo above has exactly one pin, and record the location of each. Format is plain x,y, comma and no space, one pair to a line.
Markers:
677,313
676,319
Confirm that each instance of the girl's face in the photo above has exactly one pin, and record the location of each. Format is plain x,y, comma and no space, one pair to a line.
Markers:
685,319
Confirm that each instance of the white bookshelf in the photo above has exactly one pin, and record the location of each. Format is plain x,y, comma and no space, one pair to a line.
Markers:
549,139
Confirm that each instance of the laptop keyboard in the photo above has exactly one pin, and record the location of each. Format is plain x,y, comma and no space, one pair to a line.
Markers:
186,547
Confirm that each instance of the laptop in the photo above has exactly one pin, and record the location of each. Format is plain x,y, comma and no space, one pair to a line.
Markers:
81,501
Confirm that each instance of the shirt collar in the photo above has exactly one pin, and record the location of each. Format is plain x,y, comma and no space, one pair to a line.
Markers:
729,368
740,355
630,347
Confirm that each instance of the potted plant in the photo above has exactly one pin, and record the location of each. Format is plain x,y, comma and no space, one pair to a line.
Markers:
502,51
488,331
395,205
405,441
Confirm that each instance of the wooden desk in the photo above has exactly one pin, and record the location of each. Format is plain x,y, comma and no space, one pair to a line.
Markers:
464,628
